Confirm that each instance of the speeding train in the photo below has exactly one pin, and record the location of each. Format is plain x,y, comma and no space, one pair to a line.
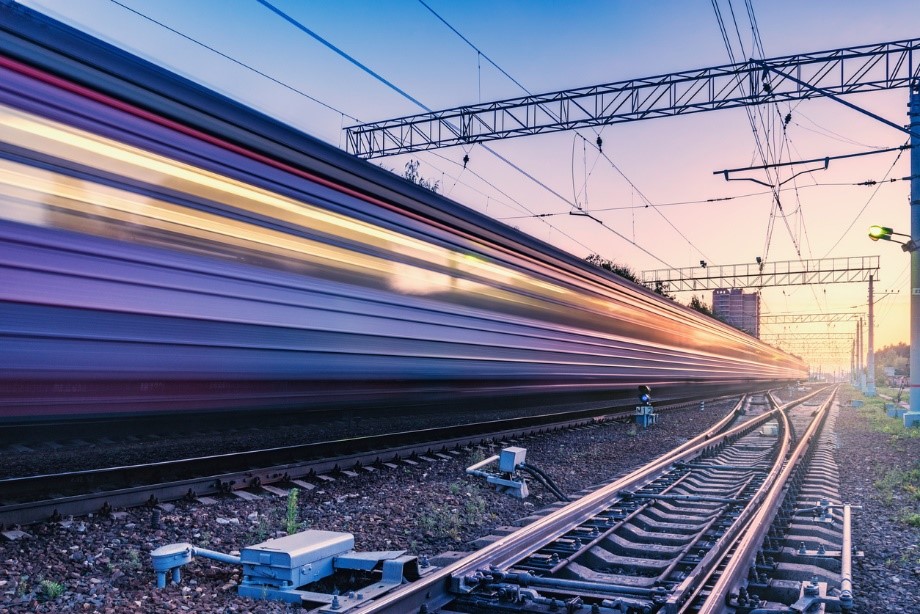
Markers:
164,249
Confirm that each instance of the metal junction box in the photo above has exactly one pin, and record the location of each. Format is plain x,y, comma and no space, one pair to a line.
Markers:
509,458
295,560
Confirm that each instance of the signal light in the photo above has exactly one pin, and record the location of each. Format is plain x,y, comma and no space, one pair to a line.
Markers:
880,232
645,395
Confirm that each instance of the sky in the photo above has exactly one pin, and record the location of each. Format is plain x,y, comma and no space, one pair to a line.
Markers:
548,46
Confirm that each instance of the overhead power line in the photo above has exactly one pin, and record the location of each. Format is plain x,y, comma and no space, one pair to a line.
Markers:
392,86
477,49
234,60
338,51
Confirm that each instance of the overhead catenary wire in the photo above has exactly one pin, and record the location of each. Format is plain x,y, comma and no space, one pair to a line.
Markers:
398,90
313,99
720,199
235,61
782,142
386,82
516,203
230,58
828,133
596,145
766,156
477,49
878,186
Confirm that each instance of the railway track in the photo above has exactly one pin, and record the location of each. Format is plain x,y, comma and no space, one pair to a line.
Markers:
25,500
737,517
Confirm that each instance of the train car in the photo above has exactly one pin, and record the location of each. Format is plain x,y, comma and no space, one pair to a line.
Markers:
164,249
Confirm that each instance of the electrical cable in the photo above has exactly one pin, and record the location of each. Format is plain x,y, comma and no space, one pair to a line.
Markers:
755,29
509,197
553,114
299,92
234,60
545,479
827,132
868,201
338,51
643,196
477,49
767,156
718,199
392,86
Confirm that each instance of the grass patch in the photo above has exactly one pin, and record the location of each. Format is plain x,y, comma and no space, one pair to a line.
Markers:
873,410
467,508
291,518
911,519
893,392
49,590
899,483
441,522
902,488
132,561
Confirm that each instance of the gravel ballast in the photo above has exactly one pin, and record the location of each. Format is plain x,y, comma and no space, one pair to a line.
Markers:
102,564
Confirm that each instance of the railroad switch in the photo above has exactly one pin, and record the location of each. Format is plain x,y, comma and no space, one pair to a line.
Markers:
278,568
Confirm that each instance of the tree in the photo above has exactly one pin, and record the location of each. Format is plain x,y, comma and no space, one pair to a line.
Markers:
611,266
697,304
896,358
659,289
412,174
625,272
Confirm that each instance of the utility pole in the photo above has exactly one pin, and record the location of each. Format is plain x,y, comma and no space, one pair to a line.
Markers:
860,371
913,417
853,363
870,366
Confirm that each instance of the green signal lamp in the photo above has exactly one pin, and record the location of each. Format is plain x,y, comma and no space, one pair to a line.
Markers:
880,232
884,233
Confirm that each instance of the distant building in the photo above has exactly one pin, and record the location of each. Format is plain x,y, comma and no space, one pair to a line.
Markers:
738,309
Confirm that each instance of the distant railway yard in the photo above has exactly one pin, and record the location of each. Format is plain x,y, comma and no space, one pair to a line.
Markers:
430,507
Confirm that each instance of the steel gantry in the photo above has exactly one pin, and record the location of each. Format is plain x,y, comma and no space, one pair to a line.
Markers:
807,336
780,273
793,77
807,318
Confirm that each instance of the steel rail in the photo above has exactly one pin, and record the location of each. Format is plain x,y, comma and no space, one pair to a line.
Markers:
756,528
118,487
212,475
683,595
693,584
846,559
434,590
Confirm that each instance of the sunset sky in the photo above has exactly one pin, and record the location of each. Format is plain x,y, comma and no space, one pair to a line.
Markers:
547,46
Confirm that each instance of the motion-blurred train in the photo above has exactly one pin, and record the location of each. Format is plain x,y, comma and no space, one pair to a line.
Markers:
165,249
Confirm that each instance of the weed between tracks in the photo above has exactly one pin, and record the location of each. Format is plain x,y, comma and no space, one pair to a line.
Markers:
466,507
291,524
50,590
